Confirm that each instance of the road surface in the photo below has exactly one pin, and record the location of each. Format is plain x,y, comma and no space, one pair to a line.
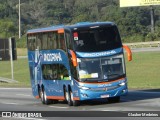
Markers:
21,99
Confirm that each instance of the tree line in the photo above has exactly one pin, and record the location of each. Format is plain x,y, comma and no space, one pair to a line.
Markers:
134,23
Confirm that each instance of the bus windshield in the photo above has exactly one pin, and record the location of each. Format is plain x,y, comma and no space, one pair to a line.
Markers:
97,39
101,69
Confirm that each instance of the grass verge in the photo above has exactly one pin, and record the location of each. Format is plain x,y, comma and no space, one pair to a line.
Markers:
144,71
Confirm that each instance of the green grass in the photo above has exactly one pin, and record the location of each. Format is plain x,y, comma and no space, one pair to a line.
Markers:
21,73
143,72
21,51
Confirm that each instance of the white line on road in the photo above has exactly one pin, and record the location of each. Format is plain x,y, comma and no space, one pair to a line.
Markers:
58,107
23,95
10,103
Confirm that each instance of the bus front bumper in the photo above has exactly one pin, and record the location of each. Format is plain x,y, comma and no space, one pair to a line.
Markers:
90,94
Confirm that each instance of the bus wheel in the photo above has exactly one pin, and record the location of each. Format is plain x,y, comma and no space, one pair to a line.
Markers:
42,96
75,102
46,101
70,103
114,99
66,95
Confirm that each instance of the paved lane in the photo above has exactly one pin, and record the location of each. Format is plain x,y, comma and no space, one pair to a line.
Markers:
21,99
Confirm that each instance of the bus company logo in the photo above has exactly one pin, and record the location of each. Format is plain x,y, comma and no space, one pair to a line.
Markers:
52,57
99,54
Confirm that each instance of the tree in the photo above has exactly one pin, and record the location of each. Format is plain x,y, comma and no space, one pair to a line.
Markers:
7,28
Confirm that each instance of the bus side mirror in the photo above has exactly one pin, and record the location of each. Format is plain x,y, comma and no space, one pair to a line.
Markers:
74,58
129,53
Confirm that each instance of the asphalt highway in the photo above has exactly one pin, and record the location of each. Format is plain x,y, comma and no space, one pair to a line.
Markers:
21,99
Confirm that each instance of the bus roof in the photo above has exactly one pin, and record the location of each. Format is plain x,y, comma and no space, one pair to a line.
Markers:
77,25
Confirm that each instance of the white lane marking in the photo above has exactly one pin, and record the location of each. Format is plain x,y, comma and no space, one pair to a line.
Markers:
10,103
23,95
57,107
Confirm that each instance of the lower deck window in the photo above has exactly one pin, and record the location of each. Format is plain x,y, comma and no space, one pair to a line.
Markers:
54,72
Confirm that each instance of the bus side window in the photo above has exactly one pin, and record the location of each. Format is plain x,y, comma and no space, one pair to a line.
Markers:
50,71
54,72
63,72
68,40
39,42
55,40
61,42
29,43
33,42
44,40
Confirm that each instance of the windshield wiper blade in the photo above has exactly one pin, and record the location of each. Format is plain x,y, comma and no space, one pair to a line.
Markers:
112,74
103,80
85,80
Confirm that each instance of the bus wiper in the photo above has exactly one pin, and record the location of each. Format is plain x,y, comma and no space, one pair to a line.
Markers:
103,80
112,74
85,80
115,76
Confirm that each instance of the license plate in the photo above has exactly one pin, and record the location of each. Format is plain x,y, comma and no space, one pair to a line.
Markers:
104,96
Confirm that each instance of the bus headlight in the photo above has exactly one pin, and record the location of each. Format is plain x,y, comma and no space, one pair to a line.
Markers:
122,84
83,88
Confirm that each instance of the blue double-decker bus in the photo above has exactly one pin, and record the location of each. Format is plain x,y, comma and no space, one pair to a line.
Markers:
84,61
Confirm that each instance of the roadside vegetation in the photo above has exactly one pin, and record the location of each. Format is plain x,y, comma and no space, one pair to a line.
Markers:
133,23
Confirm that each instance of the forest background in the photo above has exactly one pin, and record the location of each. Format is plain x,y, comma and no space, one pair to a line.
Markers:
134,23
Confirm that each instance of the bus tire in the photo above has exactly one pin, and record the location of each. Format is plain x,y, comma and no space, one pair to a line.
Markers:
39,92
46,101
65,94
114,99
42,96
70,103
74,102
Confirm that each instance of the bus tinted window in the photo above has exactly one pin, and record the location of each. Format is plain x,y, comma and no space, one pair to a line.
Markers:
39,41
31,42
68,40
99,39
54,72
62,42
52,40
44,41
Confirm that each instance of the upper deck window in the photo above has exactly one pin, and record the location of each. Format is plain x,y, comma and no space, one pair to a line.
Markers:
46,41
97,39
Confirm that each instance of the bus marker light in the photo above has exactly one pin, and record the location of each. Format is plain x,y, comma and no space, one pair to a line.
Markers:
74,58
129,53
61,31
